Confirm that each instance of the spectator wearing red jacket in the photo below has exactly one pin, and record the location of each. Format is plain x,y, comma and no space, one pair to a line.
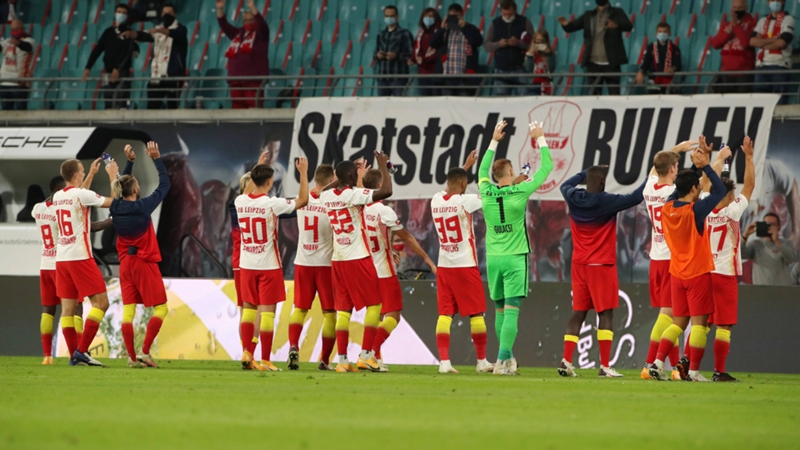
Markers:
248,54
424,55
733,39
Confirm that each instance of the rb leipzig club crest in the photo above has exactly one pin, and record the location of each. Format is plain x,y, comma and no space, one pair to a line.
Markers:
559,119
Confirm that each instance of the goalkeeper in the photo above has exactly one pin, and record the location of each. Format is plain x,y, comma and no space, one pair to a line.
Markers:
507,245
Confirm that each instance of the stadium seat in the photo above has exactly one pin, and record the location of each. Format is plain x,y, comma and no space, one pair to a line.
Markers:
32,11
54,12
272,89
299,11
374,13
91,35
321,8
212,58
351,12
529,8
83,54
48,34
213,92
283,32
302,31
556,8
57,55
43,92
74,11
411,10
76,33
197,56
269,8
71,91
473,11
624,4
330,30
43,57
72,58
106,13
35,30
206,12
368,55
280,56
576,50
578,7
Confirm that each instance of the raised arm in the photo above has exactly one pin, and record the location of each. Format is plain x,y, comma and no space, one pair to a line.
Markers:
302,197
131,156
411,242
571,184
486,162
702,208
472,158
749,169
386,178
536,132
95,167
361,168
622,202
151,202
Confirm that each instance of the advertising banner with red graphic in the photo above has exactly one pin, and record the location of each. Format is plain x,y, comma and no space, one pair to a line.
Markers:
426,137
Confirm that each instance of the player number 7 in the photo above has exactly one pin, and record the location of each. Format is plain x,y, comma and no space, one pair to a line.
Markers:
723,231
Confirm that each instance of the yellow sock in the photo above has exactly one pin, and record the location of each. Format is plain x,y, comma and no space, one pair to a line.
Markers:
723,335
343,321
443,325
329,325
605,335
389,324
267,322
662,323
78,321
476,324
248,316
160,311
46,324
128,313
373,316
698,337
672,333
96,315
67,322
570,338
298,316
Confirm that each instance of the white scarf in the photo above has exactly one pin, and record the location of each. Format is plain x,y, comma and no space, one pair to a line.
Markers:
161,53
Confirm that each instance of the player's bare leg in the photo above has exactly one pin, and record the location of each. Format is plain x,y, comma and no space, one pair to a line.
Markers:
266,334
722,346
342,341
566,369
605,337
668,341
99,307
296,321
46,330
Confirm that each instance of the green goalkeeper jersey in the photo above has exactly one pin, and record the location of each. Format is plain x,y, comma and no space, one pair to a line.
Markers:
504,207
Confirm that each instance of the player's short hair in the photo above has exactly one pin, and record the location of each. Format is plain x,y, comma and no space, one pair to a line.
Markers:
324,174
596,172
345,169
456,175
730,185
456,8
69,168
243,182
123,186
57,183
372,178
772,214
261,174
685,181
665,160
508,4
664,25
500,167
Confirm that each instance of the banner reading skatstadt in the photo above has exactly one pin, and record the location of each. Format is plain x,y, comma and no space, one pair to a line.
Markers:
426,137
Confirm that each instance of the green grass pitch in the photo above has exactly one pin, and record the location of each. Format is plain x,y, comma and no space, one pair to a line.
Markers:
208,405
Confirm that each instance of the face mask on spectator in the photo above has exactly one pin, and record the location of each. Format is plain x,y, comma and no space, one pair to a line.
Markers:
601,2
662,37
120,18
428,21
389,21
740,14
541,47
252,26
168,19
18,34
508,19
775,6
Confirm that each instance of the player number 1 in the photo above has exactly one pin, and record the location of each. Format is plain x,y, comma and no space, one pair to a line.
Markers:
502,210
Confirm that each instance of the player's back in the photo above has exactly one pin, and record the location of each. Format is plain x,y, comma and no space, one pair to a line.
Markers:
135,232
724,233
345,213
690,251
72,207
315,237
504,211
452,217
594,229
258,222
379,221
44,214
655,197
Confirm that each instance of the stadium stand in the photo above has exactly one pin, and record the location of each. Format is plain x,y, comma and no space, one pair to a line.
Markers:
322,37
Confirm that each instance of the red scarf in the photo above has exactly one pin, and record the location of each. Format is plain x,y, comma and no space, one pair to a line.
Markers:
667,63
242,43
776,31
540,66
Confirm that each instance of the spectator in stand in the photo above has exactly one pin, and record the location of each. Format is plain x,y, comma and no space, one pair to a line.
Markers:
248,54
661,56
505,37
17,51
604,50
773,37
733,38
394,48
169,58
457,44
772,255
540,59
425,55
118,53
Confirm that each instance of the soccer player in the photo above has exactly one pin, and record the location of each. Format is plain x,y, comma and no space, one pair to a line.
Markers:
312,272
593,221
260,265
245,187
381,222
459,286
507,245
139,255
683,219
355,280
77,275
725,236
659,187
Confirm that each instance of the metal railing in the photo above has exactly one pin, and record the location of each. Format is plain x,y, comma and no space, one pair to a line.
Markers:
281,90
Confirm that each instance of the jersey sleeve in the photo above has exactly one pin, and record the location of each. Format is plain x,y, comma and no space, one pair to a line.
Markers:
737,208
90,198
471,202
361,196
35,210
389,218
282,206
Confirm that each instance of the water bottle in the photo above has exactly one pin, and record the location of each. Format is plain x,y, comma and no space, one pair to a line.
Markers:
107,160
726,166
526,169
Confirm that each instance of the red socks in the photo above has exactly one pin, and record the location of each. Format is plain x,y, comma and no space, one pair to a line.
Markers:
380,338
443,344
686,352
569,349
89,332
675,355
652,352
247,331
695,356
153,327
479,340
127,336
327,348
342,340
721,349
70,338
605,352
295,329
266,344
47,344
369,338
664,349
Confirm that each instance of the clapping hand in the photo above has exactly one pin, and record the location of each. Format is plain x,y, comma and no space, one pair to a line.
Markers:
498,131
152,150
129,153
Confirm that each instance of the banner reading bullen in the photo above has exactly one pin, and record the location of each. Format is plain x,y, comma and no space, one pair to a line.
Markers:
426,137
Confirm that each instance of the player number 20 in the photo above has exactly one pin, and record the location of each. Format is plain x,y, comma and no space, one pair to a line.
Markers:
447,226
254,230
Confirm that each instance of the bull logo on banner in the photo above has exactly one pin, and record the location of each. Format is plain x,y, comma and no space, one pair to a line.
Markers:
586,341
560,120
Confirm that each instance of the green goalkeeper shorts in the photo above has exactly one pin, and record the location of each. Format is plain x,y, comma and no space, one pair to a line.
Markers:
508,276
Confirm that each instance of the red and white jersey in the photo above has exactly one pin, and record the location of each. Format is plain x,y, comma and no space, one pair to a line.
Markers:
346,215
380,220
315,239
452,217
45,215
258,222
655,196
72,211
724,230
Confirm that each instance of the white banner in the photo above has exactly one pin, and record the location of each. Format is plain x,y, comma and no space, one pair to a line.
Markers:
43,143
426,137
20,249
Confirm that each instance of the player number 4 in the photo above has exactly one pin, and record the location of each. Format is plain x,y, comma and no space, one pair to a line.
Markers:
312,226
